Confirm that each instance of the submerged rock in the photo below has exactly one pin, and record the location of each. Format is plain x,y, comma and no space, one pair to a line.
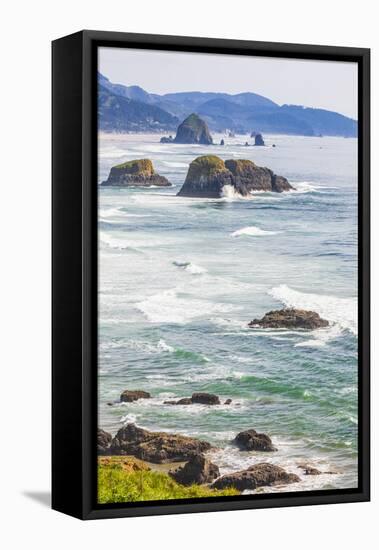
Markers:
157,447
135,173
250,440
183,401
168,139
128,396
198,397
290,318
259,140
205,398
193,130
208,175
103,442
228,402
259,475
198,470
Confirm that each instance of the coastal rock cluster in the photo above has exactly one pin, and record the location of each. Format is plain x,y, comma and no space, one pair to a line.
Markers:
135,173
208,175
160,447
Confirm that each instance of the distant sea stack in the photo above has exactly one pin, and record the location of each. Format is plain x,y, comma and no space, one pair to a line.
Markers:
207,176
135,173
259,140
193,130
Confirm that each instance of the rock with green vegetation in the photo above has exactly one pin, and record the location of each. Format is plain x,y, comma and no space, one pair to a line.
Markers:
135,173
208,175
259,475
156,447
193,130
118,485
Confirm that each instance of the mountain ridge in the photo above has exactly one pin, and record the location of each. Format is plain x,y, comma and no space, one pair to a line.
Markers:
131,108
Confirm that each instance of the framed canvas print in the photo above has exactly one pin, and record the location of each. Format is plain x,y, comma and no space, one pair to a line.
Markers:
210,274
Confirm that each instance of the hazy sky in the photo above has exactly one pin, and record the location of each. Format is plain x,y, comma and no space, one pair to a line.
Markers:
326,84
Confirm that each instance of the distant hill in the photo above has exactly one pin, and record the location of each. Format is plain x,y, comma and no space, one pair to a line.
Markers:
131,108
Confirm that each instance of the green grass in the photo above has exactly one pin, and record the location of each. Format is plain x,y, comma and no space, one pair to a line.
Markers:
116,485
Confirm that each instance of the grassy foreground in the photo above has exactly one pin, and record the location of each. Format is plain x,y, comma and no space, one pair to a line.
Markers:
117,484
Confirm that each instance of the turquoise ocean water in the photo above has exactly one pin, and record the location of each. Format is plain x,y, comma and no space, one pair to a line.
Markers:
180,279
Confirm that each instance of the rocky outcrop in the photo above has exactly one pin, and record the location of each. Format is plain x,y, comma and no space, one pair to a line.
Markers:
259,475
258,141
290,318
128,396
250,440
198,470
228,402
206,178
157,447
135,173
202,398
103,442
193,130
208,175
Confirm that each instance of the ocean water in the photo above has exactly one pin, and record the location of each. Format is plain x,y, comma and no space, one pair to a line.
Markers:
180,278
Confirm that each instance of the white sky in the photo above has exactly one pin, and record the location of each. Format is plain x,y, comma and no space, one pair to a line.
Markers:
325,84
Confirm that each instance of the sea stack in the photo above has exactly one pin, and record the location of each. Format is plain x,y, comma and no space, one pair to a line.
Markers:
259,140
193,130
135,173
208,175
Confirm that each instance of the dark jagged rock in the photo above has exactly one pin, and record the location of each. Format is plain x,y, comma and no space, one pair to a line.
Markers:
157,447
103,442
205,398
183,401
198,470
290,318
208,175
258,140
250,440
228,402
259,475
222,142
246,144
135,173
193,130
199,398
128,396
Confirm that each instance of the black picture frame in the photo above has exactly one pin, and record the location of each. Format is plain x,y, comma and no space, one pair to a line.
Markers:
74,272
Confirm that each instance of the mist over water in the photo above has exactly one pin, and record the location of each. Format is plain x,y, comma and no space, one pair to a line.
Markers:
180,278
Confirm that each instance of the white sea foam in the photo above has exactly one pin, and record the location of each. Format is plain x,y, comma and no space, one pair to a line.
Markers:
168,307
342,312
229,192
252,231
